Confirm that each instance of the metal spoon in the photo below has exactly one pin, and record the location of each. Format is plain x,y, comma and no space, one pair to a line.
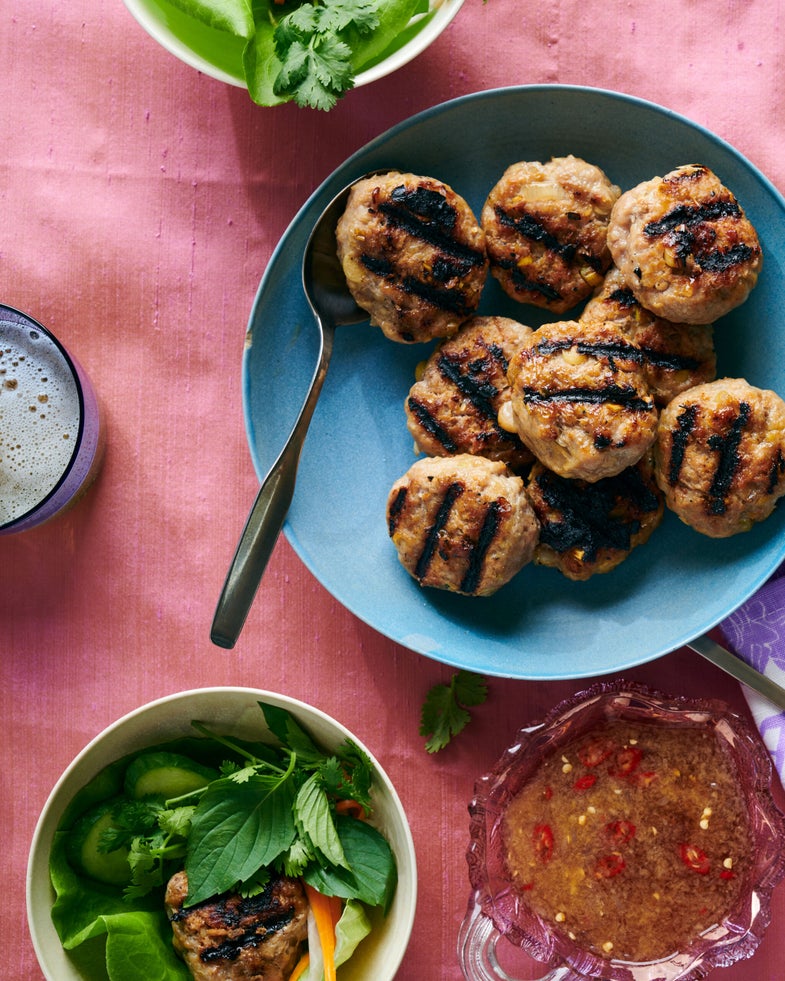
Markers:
333,306
738,669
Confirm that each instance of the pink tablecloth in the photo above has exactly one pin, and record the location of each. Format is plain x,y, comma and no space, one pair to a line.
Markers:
140,202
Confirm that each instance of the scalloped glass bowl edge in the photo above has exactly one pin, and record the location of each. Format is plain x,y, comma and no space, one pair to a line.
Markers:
740,933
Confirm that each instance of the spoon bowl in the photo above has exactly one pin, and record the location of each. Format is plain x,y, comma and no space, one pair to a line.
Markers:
333,306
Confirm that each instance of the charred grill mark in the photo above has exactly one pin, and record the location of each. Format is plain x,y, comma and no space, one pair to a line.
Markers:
488,533
728,448
624,395
522,283
377,265
624,298
251,920
529,227
720,261
231,949
668,361
431,425
445,299
452,300
613,350
428,216
777,470
395,509
691,215
591,517
451,495
479,392
685,423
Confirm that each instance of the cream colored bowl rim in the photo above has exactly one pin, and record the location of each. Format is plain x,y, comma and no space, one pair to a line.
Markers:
154,23
129,733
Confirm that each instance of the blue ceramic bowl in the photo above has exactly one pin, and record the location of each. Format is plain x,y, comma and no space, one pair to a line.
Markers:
541,625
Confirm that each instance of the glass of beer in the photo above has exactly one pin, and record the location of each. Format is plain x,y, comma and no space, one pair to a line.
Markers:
51,430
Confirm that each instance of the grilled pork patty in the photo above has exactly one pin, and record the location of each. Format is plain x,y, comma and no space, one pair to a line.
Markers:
675,357
255,939
590,528
461,523
413,255
684,246
453,407
546,227
720,456
579,399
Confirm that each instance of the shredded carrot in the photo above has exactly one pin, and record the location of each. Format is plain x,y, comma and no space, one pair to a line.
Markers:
320,906
300,967
352,808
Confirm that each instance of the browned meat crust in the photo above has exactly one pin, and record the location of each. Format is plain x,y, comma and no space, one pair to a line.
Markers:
461,523
589,528
684,246
580,401
720,456
255,939
546,227
453,407
675,356
413,255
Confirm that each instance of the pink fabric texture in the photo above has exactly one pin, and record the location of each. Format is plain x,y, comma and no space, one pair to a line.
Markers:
140,202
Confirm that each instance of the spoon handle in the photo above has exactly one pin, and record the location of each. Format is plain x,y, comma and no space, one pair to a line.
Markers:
738,669
265,520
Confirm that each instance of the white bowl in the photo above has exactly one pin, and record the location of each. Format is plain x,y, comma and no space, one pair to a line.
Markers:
231,711
219,55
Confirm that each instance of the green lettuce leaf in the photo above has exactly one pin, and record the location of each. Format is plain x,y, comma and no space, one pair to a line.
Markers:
233,16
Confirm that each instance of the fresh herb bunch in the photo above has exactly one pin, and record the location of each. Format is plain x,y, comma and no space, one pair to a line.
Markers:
276,808
444,711
316,60
309,51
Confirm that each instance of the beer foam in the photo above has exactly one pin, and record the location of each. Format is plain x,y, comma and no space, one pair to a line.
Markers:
39,418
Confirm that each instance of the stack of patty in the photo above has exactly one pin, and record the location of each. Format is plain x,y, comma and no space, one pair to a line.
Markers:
588,425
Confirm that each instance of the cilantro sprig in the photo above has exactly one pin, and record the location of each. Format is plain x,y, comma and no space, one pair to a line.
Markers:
274,808
445,709
316,60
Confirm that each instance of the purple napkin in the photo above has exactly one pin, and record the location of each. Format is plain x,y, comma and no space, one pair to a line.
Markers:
756,632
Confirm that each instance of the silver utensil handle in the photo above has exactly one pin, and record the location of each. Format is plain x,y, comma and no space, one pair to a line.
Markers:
738,669
264,522
253,552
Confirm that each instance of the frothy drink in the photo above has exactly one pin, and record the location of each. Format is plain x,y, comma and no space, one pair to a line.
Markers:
50,433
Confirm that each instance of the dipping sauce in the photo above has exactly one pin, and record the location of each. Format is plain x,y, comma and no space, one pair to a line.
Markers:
632,839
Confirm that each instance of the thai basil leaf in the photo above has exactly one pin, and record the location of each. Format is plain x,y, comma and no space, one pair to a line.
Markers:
282,725
237,828
315,821
373,876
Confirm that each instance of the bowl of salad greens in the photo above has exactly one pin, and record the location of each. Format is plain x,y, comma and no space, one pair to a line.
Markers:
232,791
310,52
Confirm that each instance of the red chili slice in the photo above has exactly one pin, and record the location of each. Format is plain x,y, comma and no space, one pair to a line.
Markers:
542,841
727,874
547,793
584,782
642,778
620,832
609,866
595,752
627,761
695,859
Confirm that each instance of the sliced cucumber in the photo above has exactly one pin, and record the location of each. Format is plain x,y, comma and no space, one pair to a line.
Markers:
84,848
165,775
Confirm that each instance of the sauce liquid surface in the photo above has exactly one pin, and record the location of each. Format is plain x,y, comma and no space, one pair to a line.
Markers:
631,839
